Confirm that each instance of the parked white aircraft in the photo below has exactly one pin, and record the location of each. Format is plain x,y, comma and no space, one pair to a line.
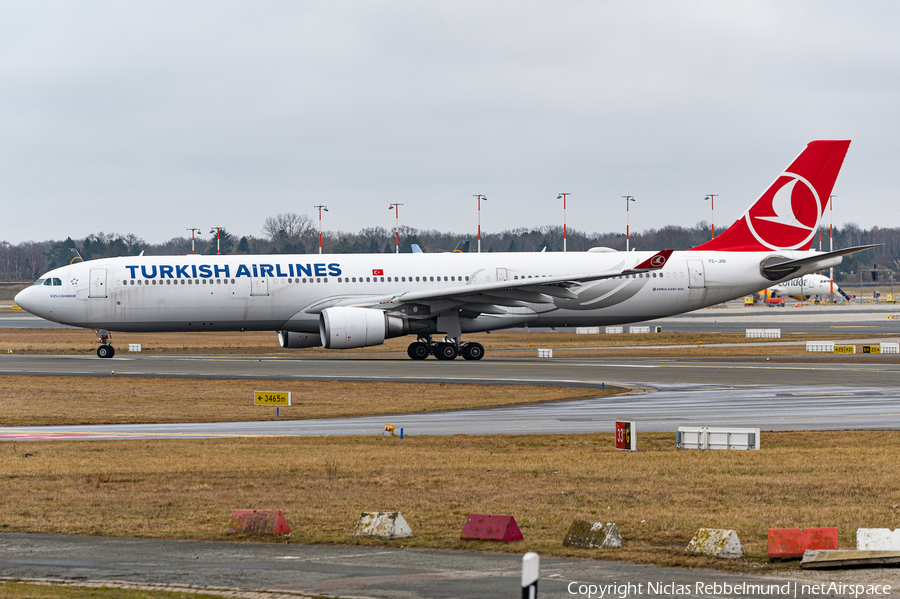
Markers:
350,301
807,286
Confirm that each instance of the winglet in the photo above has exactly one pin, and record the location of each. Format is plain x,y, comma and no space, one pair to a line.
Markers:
654,262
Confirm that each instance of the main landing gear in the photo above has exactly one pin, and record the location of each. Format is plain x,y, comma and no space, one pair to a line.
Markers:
446,349
105,350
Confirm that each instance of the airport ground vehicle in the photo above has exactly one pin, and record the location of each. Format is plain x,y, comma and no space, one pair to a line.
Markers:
775,301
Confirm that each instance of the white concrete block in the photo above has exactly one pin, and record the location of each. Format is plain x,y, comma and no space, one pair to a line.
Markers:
382,525
592,535
134,347
638,330
718,542
545,353
615,330
877,539
587,330
890,348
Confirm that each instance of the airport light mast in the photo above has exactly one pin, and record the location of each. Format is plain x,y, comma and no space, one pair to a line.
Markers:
321,208
217,231
193,230
831,243
396,208
480,197
563,196
712,206
628,200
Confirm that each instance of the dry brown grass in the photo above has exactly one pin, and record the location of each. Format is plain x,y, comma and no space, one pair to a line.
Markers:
13,590
52,400
521,342
658,496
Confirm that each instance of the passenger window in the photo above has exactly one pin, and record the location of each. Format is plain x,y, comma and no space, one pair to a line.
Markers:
467,277
368,280
417,279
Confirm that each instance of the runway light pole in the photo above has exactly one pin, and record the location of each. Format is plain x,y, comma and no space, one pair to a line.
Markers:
321,208
628,200
217,231
831,242
563,196
396,208
712,205
480,197
193,230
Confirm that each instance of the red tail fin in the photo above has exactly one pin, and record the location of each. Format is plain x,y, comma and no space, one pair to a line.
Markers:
788,214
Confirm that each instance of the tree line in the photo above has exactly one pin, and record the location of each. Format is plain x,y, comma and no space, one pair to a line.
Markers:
292,233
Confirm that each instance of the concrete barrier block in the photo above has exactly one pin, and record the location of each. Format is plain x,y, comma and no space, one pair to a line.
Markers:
877,539
491,528
258,522
785,543
592,535
615,330
544,353
382,525
717,542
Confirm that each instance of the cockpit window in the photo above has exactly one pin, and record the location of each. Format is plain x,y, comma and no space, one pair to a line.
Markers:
57,281
38,282
48,281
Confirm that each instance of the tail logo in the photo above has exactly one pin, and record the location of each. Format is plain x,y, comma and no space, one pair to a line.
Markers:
657,261
788,214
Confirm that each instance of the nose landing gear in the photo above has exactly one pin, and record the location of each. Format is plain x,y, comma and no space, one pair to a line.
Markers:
105,350
446,349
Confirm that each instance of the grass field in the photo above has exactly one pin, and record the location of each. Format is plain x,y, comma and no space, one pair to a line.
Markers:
59,400
12,590
517,342
658,497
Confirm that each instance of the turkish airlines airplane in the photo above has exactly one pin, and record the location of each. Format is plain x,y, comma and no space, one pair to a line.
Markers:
807,286
345,301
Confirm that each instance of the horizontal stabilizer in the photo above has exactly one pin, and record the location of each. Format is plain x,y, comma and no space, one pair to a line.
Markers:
775,268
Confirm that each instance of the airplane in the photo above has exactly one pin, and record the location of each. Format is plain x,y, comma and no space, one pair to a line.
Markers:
802,288
351,301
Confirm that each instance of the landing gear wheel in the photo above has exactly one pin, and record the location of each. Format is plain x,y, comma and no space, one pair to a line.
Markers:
473,351
106,351
445,351
417,350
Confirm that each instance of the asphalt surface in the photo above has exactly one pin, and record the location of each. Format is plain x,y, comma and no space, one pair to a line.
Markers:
384,572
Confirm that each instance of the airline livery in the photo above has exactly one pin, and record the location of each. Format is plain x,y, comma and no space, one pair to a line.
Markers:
346,301
808,286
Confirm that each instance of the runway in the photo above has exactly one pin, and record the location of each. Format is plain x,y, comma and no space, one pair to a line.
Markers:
672,393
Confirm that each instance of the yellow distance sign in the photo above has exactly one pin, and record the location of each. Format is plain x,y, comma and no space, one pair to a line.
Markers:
844,349
272,398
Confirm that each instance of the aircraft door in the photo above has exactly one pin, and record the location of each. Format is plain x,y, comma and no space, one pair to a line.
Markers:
697,274
501,274
259,286
98,283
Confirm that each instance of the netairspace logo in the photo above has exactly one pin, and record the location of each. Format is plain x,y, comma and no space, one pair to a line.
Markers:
721,589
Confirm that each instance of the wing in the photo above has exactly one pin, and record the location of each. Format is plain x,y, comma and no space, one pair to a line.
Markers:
491,298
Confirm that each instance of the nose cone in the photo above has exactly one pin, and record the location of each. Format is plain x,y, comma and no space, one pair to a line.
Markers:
22,299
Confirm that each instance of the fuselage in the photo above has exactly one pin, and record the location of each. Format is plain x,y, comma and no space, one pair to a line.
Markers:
280,292
810,285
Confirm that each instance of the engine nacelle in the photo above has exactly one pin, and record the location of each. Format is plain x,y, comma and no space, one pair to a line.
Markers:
348,327
294,340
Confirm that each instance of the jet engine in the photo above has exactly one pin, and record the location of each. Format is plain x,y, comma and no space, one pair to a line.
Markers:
294,340
348,327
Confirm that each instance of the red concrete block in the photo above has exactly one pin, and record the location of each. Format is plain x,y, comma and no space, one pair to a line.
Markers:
792,542
491,528
258,522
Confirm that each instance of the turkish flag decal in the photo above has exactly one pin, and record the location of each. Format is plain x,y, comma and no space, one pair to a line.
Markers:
378,272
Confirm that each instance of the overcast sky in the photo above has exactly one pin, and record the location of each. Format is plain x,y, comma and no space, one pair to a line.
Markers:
151,117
